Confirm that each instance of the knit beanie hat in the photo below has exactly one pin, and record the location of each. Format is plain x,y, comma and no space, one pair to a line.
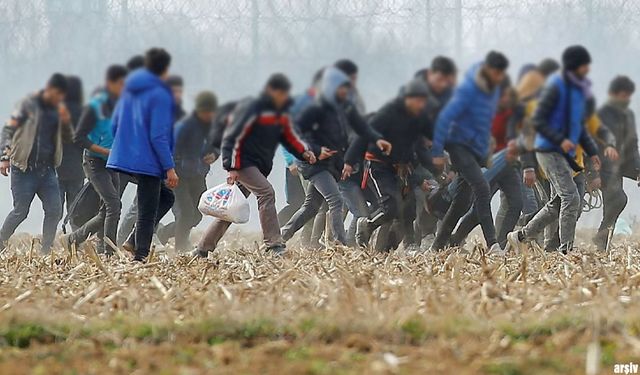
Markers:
416,88
175,81
206,101
574,57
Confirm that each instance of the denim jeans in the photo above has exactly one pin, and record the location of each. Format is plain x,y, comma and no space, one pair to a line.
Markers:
551,231
565,201
107,184
42,182
154,200
472,188
356,204
323,187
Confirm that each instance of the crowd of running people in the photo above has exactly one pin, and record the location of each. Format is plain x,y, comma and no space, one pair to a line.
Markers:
425,164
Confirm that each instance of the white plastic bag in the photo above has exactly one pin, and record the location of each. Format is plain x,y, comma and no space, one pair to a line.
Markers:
225,202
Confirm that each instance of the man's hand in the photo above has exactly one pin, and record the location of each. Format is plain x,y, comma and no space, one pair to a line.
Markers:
309,157
427,186
439,162
64,115
384,146
232,178
347,171
325,153
594,184
567,146
529,177
512,150
5,166
293,169
595,160
172,179
611,153
209,158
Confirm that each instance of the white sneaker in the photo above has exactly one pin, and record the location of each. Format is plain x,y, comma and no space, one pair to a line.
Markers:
513,241
497,250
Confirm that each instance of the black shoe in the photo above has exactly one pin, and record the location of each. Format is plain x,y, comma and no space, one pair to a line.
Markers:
601,239
278,250
363,232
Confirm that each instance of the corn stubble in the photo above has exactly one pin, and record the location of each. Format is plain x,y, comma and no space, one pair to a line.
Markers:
338,310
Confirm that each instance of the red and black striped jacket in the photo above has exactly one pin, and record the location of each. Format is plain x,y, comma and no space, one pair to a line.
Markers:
256,128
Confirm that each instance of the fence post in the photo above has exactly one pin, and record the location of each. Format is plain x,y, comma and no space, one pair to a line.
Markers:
458,29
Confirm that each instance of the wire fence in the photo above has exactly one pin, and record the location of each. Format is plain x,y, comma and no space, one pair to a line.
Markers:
231,45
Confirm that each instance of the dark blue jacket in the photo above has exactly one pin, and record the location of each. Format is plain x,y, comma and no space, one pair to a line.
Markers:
560,115
192,144
467,117
255,130
143,127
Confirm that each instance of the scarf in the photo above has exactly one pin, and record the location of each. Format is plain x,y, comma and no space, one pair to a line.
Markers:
584,84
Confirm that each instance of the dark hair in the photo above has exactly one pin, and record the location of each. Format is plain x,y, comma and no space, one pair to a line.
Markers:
75,93
116,72
175,81
444,65
347,66
135,62
279,81
59,82
548,66
157,60
574,57
496,60
622,84
506,83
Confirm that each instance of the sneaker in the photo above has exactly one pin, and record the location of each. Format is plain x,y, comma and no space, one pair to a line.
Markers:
566,248
363,232
515,241
277,250
497,250
199,253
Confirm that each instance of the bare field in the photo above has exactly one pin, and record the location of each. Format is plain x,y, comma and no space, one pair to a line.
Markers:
338,311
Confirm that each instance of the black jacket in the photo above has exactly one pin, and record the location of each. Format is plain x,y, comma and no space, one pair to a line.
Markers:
191,146
408,136
220,123
327,125
255,130
621,122
71,166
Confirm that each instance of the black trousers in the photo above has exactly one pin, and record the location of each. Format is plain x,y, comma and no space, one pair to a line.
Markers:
185,210
394,202
154,200
471,188
509,183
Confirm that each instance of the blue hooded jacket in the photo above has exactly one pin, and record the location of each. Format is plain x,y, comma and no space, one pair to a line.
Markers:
142,126
467,117
560,115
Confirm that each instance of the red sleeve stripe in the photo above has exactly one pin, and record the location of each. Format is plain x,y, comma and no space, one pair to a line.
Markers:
291,137
236,156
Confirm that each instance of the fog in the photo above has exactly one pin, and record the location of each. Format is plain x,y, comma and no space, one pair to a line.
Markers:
231,46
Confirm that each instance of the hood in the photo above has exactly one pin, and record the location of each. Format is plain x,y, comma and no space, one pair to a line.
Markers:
474,74
530,85
143,80
332,78
74,90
